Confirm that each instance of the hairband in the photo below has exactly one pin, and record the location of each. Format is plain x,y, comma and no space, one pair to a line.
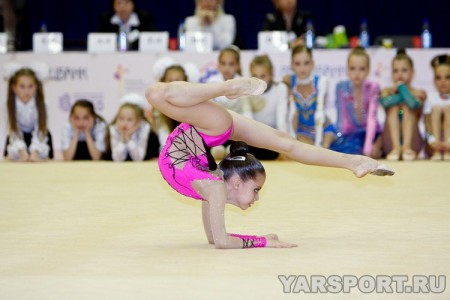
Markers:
41,69
134,98
232,47
240,158
163,63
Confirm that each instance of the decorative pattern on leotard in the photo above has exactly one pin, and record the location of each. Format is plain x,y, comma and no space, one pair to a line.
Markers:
306,108
186,158
356,122
185,148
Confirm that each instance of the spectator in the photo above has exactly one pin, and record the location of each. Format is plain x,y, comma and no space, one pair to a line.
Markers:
28,138
166,69
15,22
271,107
357,106
166,125
437,110
126,17
308,94
229,67
403,104
85,136
210,17
288,18
132,138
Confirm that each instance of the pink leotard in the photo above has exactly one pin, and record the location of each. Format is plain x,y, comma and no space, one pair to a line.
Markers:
184,159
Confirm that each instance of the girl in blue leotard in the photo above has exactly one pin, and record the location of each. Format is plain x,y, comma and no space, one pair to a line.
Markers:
307,94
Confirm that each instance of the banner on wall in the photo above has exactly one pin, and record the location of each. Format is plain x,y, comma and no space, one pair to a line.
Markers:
105,78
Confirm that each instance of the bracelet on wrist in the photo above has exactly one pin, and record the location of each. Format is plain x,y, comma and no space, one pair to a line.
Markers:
251,241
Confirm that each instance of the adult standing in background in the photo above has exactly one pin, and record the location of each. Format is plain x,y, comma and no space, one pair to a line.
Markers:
288,18
210,17
15,22
125,16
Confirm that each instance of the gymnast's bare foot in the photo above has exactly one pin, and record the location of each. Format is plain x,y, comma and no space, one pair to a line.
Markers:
366,165
245,86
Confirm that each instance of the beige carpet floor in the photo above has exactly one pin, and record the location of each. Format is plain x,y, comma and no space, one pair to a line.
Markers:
85,230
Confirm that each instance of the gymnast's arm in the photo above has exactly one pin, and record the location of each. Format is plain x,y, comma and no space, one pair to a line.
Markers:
215,192
206,222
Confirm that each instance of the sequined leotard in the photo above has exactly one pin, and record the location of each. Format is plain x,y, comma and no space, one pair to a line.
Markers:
306,109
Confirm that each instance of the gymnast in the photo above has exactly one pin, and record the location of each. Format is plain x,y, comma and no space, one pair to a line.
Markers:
187,165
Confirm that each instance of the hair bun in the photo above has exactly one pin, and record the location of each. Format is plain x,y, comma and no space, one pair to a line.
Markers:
238,149
442,59
401,51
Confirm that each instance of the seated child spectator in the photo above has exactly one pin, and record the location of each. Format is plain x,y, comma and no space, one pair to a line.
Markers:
132,138
437,110
85,136
357,106
28,138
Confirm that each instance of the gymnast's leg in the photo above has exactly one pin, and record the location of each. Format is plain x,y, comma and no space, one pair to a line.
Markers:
190,102
260,135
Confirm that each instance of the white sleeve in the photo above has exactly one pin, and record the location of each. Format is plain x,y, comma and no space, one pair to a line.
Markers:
118,148
428,105
39,143
16,144
282,107
223,29
192,24
225,32
66,136
137,146
100,135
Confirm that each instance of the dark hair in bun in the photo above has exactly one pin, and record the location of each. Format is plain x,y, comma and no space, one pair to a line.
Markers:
402,55
241,162
439,60
239,149
401,51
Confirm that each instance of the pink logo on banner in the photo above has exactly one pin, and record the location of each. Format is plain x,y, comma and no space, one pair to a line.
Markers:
119,75
120,71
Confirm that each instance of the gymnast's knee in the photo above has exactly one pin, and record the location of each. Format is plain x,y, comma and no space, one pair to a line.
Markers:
156,93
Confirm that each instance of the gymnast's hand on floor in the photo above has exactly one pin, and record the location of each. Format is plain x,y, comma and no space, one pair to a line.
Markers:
271,236
273,242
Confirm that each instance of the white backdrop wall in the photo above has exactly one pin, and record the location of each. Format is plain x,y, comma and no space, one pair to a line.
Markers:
104,78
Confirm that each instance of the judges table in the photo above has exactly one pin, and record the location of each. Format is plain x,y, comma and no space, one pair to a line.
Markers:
105,78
